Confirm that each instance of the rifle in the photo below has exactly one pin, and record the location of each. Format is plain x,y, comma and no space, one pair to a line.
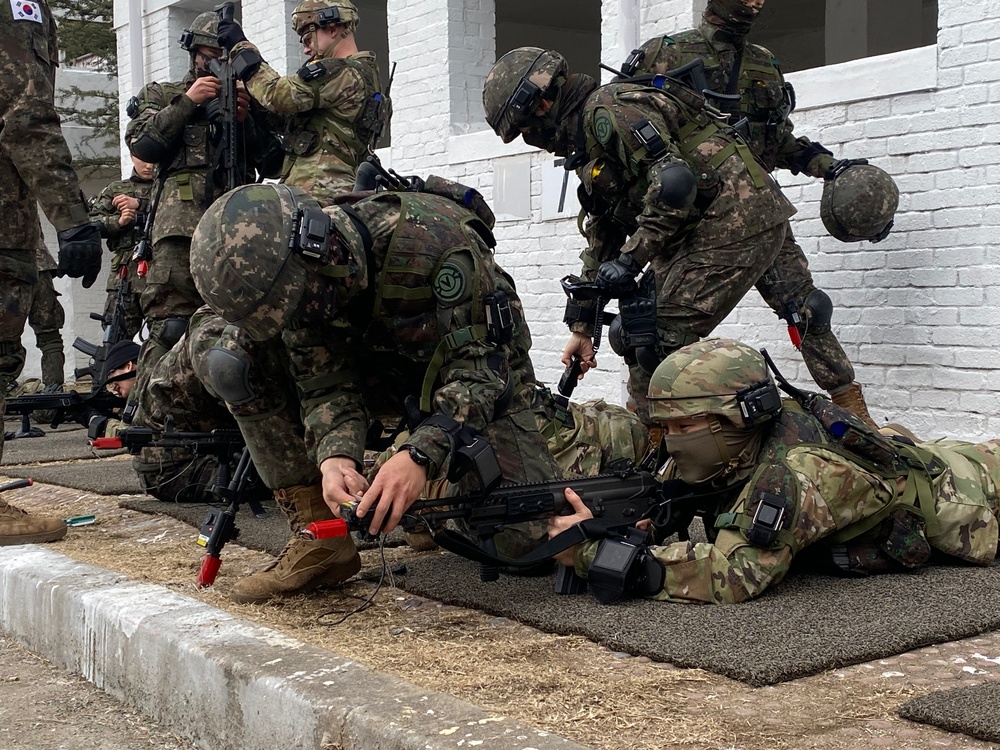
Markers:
115,330
66,406
231,487
224,172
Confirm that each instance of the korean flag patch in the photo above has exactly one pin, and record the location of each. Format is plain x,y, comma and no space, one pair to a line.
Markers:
26,10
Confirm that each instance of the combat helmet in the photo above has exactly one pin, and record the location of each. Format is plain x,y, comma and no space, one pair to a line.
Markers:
203,32
859,203
315,14
255,248
515,86
706,377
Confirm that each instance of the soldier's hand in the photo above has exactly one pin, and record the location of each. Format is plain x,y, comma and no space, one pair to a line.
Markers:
230,34
203,89
122,201
242,102
80,253
841,165
127,217
341,482
581,345
616,278
396,486
559,524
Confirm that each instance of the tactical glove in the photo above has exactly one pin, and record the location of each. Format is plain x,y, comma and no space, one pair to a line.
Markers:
840,165
80,253
230,33
616,278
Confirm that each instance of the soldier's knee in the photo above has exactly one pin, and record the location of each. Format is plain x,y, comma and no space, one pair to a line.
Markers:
168,332
819,309
228,376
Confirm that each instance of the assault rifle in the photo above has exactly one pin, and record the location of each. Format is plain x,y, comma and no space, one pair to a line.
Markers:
225,170
115,330
68,406
618,500
233,486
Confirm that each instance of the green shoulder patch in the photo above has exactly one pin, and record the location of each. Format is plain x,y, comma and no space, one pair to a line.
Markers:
668,40
450,283
604,127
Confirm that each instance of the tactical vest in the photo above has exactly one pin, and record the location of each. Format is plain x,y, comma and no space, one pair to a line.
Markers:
422,283
306,133
761,86
905,523
697,126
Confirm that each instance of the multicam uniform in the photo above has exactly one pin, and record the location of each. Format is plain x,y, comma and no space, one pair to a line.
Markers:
765,102
121,242
334,110
46,318
35,167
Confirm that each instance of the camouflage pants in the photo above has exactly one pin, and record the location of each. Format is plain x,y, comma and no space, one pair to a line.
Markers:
46,318
133,308
695,290
15,300
788,282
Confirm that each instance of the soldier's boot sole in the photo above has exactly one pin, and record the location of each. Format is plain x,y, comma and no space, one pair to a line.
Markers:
54,533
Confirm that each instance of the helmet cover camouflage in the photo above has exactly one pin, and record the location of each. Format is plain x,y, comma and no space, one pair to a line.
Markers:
309,14
737,15
516,84
704,378
859,204
202,32
243,261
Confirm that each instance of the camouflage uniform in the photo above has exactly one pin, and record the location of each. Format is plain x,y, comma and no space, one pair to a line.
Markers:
46,318
765,102
35,167
856,503
706,249
170,130
121,243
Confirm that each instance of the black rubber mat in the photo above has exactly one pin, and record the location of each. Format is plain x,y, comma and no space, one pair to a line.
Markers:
807,624
106,477
974,710
66,442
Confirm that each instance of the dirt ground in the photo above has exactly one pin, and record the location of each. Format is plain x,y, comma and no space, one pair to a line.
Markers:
44,708
564,684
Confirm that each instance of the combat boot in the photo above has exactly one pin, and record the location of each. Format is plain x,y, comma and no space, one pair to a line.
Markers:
17,527
304,564
850,398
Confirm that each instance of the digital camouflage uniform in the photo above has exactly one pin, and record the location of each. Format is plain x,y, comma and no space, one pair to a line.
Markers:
866,511
765,103
121,243
705,255
35,167
46,318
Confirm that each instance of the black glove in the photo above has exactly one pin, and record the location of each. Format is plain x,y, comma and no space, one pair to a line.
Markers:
616,278
841,165
230,34
80,253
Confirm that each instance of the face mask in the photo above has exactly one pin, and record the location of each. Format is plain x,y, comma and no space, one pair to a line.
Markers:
699,457
737,17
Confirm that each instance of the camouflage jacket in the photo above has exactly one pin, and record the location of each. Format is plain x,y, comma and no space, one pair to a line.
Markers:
44,259
621,185
335,109
876,520
39,164
764,99
418,328
170,130
121,239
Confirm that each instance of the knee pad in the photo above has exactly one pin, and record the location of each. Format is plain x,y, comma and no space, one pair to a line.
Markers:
819,306
229,376
171,331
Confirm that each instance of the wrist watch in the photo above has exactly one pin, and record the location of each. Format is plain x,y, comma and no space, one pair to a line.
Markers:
418,456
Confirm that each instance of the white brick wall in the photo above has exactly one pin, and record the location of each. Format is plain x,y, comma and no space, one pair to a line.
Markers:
916,312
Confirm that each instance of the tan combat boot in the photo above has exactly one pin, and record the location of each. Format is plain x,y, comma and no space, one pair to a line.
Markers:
850,398
303,564
17,527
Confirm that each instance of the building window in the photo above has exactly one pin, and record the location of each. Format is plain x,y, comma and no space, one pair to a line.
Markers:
806,34
571,27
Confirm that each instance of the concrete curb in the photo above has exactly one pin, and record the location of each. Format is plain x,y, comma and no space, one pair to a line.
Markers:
223,682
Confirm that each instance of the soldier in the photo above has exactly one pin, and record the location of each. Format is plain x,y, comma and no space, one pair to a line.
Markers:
396,296
663,182
35,167
751,88
335,106
46,318
121,208
798,477
173,126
